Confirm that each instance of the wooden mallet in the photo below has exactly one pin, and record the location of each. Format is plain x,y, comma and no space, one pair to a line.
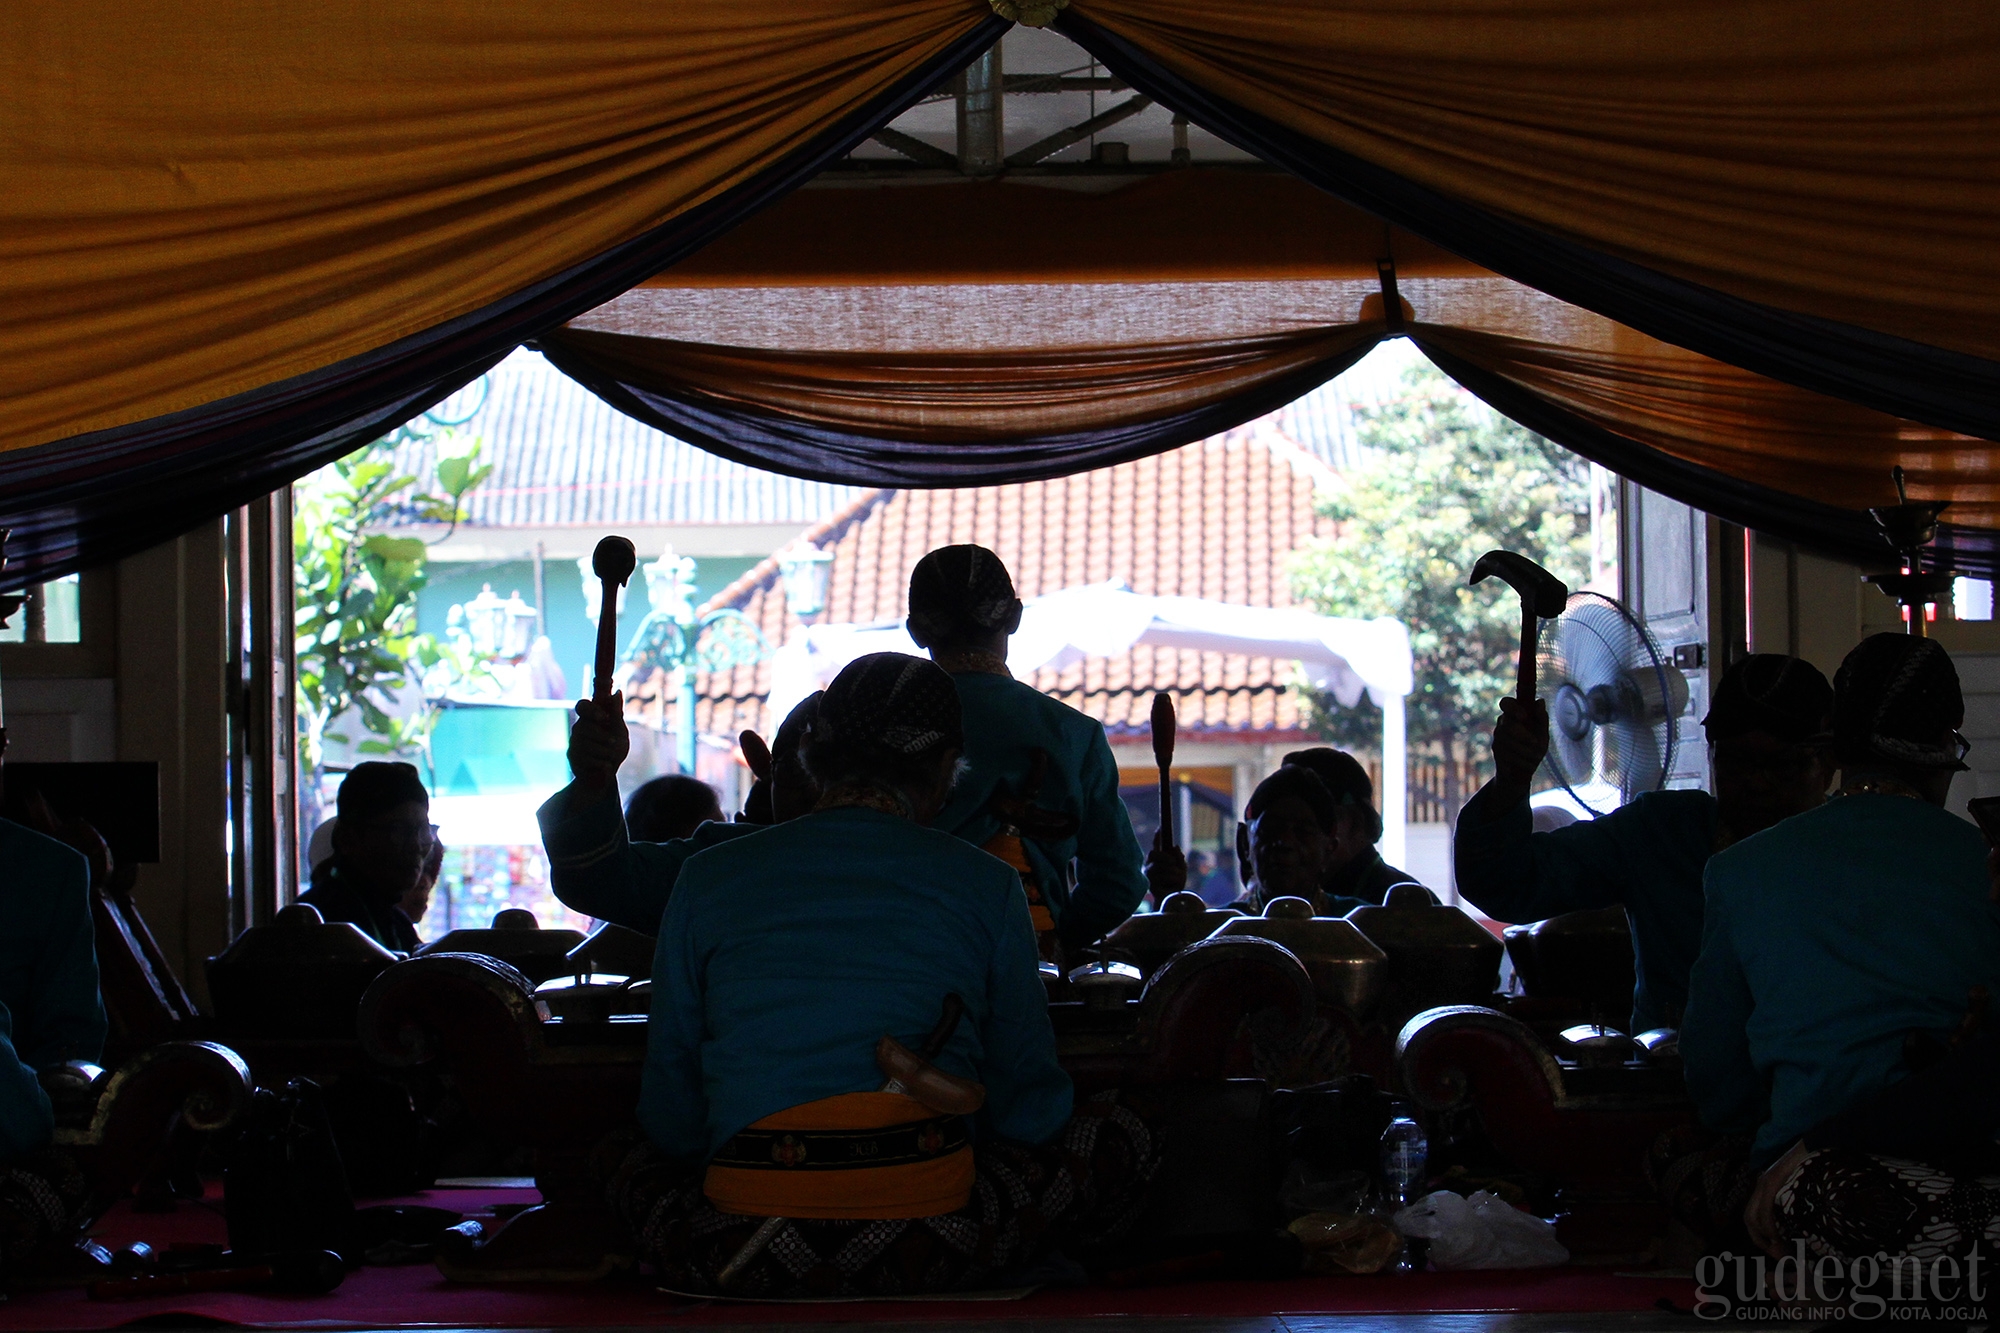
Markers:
756,754
613,562
1543,597
1163,755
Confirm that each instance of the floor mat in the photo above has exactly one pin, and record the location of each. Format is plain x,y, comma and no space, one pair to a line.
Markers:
416,1296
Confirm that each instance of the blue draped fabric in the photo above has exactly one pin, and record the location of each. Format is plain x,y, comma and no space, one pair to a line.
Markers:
819,453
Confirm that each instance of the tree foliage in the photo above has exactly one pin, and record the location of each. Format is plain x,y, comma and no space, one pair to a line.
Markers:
1446,480
356,596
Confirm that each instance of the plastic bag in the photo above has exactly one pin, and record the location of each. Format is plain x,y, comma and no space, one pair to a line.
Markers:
1345,1243
1483,1231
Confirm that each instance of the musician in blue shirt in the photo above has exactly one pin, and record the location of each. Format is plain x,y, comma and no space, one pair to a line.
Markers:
784,960
1766,727
1835,945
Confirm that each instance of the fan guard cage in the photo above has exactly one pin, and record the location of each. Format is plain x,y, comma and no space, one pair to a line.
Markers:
1614,703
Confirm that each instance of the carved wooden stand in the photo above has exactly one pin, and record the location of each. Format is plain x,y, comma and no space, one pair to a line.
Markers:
117,1126
556,1086
560,1086
1588,1129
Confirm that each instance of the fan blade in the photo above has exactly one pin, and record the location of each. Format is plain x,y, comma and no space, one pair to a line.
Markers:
1638,766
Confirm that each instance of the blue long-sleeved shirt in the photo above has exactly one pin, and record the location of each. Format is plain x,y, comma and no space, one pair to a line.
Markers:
1647,856
26,1117
785,957
48,950
1829,938
596,869
1005,722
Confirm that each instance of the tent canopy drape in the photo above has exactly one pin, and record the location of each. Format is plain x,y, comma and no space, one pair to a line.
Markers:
1826,157
833,354
234,194
1804,189
286,225
237,240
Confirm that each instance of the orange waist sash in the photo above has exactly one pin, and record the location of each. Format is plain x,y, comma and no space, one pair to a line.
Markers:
1007,846
858,1155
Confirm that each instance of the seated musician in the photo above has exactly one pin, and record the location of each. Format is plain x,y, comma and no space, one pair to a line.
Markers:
597,866
50,1014
416,904
1765,727
1356,874
48,951
671,807
42,1189
1836,946
783,961
1024,748
381,845
1286,840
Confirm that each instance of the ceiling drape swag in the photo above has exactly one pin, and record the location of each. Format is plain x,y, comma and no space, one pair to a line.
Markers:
1740,249
947,362
238,243
922,420
1805,189
1782,513
205,206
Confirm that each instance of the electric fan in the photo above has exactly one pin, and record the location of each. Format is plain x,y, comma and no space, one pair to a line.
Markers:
1614,703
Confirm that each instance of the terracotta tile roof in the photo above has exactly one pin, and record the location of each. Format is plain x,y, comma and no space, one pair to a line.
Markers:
1213,519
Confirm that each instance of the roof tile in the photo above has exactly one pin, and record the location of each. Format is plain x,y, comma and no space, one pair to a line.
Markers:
1213,519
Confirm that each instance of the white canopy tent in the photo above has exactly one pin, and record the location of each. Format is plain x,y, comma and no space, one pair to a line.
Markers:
1340,656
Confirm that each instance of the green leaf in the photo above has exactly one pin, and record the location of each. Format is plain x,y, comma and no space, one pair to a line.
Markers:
454,474
407,550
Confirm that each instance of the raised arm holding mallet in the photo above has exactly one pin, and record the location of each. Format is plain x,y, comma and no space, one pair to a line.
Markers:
1522,736
598,742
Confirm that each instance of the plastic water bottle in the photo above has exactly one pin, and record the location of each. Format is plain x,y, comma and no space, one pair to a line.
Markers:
1404,1152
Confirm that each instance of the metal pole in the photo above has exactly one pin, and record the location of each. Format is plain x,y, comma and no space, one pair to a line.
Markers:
981,129
1396,784
541,613
684,732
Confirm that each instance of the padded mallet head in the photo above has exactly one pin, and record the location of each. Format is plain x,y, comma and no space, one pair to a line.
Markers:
1541,592
614,560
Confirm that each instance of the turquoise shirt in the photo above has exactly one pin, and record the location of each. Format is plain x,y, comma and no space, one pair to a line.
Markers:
1005,721
1830,937
596,870
1646,856
48,950
785,957
26,1118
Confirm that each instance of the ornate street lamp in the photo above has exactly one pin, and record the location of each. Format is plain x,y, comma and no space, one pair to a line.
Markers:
673,639
804,571
499,628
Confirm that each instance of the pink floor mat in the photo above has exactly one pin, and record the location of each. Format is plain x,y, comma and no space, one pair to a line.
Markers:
416,1296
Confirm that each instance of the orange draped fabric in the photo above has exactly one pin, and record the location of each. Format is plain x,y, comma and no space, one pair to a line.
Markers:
1837,158
957,337
946,398
202,199
198,202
